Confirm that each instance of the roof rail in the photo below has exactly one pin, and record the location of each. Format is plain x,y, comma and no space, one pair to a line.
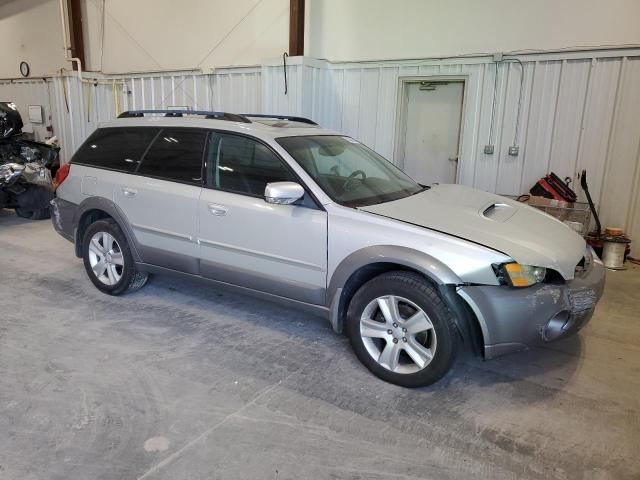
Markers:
280,117
232,117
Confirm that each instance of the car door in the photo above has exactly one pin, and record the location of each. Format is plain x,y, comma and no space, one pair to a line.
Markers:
278,249
161,199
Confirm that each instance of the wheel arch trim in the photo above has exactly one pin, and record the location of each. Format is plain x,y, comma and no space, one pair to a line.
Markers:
404,257
110,208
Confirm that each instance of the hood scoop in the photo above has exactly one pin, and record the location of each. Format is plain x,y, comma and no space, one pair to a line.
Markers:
498,212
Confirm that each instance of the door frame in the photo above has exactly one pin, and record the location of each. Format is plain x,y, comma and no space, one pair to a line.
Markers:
402,111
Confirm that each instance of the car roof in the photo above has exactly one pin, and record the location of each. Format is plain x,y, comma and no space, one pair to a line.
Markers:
261,127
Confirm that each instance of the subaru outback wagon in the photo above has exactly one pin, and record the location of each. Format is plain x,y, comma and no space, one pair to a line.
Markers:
281,208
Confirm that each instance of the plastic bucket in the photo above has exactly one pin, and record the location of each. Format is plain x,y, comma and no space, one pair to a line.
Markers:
613,254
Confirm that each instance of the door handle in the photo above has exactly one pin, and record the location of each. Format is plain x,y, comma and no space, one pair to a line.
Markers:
217,210
453,159
128,192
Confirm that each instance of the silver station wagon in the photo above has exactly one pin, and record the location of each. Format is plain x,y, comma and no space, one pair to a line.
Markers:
281,208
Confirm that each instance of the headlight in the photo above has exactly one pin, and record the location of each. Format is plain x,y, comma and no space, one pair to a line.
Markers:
518,275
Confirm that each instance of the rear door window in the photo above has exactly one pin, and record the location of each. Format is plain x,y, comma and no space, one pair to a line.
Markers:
176,154
119,148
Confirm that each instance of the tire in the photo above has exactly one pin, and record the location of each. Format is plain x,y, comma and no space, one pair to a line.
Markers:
33,203
22,213
39,214
413,354
104,242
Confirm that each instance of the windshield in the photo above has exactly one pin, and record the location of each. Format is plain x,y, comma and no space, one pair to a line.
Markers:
350,173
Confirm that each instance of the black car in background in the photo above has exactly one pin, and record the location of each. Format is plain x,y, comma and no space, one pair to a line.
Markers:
27,168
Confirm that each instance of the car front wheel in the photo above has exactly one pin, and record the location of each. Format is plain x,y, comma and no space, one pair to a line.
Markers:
401,329
108,260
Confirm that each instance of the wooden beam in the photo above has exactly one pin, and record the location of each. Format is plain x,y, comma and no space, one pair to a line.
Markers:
296,27
76,39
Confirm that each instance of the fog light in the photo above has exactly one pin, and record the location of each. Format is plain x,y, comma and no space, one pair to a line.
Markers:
556,326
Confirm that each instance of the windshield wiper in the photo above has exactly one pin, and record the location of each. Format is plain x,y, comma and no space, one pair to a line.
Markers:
423,189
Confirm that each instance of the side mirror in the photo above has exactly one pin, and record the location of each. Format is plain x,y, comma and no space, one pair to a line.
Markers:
283,193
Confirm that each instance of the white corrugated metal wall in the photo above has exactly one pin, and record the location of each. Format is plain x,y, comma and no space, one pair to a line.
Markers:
566,119
29,92
579,110
76,108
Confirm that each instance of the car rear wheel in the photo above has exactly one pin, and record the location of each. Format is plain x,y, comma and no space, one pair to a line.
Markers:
401,329
108,260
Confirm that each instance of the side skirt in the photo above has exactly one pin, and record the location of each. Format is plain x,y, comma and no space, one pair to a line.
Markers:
318,310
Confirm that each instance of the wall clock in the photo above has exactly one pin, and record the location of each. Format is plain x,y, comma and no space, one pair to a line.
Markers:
24,69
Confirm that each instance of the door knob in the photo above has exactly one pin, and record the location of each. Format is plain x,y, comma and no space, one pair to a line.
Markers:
217,210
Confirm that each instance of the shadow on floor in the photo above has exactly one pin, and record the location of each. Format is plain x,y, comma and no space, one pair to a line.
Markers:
215,306
8,218
560,361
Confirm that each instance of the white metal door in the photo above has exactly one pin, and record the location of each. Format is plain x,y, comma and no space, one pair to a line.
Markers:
432,131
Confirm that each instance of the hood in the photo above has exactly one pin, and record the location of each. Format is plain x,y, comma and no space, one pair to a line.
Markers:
526,234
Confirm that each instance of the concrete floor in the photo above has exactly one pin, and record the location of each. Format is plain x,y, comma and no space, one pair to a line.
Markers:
182,381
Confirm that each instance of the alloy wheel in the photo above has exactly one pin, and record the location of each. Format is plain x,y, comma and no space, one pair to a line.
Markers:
398,334
105,258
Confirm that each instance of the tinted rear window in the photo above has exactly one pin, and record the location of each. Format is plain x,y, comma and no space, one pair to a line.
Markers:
115,148
176,154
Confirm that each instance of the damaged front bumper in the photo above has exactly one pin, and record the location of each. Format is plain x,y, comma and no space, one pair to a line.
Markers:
513,319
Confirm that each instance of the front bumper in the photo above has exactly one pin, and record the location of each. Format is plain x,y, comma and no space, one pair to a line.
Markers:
513,319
